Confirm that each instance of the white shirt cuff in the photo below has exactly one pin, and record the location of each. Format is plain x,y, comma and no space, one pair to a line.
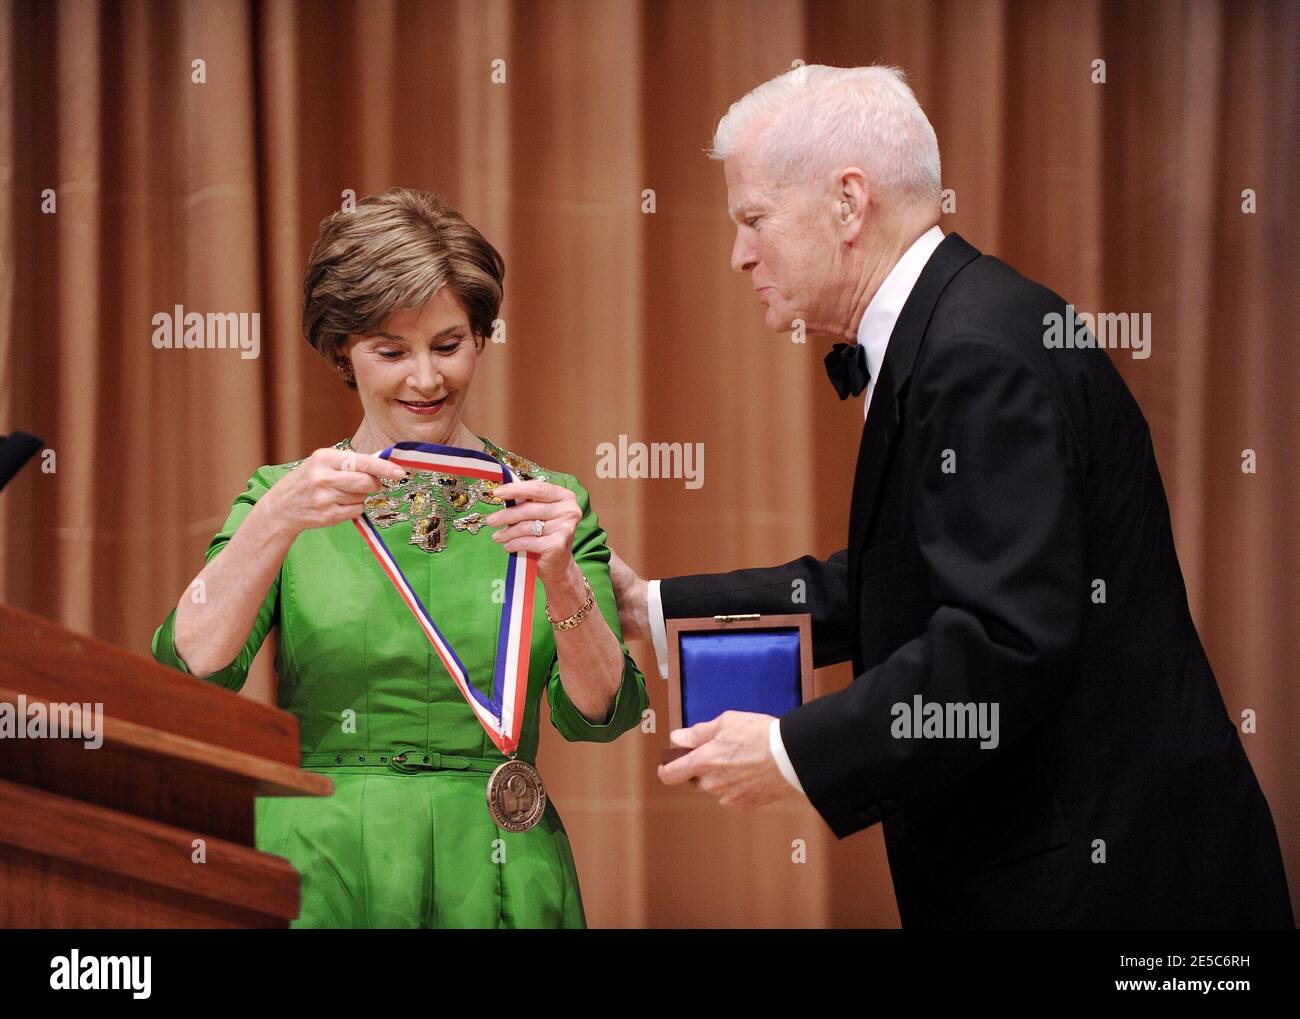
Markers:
658,631
782,758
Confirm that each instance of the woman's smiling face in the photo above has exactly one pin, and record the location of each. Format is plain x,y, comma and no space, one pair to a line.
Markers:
413,374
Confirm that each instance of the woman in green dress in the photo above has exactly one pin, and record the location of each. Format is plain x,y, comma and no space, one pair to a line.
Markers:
400,296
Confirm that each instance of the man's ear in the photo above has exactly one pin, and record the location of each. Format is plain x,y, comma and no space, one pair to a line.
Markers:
852,201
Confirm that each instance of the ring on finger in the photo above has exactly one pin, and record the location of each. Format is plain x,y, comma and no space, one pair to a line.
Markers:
538,527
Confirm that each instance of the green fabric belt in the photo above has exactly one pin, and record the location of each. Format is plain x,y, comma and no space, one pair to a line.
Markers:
410,761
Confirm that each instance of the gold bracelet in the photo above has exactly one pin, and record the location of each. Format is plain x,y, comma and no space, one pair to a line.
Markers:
577,617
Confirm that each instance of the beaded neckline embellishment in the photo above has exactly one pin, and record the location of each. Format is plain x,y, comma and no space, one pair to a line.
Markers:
431,500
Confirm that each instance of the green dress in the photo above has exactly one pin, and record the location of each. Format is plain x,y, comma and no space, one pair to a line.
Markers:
413,844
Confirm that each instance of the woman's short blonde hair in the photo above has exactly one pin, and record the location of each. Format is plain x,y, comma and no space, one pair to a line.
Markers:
394,252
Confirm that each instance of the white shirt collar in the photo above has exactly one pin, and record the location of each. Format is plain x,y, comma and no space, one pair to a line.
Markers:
882,313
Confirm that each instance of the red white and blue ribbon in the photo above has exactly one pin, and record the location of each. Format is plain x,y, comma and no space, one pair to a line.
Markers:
502,714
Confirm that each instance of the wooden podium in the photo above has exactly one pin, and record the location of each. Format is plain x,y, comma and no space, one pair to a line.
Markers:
110,836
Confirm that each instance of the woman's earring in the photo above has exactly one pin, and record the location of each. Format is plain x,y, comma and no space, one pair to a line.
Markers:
345,369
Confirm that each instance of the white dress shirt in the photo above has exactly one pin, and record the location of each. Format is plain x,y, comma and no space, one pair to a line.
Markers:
873,336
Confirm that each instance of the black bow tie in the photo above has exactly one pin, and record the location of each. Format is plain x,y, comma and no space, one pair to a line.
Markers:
846,365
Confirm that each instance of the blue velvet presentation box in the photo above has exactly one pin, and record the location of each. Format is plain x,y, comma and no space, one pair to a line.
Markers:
736,663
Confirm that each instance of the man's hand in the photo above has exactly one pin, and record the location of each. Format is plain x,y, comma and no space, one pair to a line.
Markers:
629,592
732,760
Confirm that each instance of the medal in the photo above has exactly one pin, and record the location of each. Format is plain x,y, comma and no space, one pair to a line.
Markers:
516,797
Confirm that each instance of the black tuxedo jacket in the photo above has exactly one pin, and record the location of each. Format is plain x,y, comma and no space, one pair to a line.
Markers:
1010,544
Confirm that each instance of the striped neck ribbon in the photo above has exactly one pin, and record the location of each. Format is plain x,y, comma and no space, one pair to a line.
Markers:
502,714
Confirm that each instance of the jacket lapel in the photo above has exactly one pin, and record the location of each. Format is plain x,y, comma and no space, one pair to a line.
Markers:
880,431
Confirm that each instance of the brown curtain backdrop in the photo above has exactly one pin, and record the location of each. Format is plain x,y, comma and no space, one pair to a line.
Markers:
1125,196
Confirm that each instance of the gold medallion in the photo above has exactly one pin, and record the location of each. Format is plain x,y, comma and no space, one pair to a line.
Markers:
515,794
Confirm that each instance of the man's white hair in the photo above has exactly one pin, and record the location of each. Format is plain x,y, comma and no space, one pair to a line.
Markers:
814,119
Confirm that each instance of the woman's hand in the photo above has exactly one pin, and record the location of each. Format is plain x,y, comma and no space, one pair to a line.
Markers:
590,659
557,508
330,486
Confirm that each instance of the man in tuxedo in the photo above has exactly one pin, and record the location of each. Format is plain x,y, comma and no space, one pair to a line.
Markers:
1010,557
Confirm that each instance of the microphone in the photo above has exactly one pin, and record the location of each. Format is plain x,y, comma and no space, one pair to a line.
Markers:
16,450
